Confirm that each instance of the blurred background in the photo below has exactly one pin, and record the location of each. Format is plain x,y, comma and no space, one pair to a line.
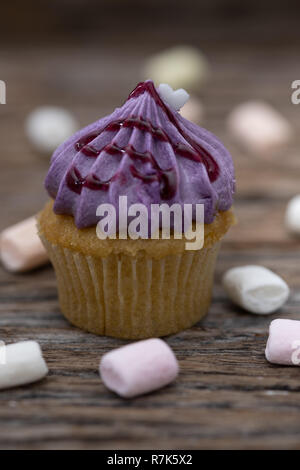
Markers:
86,55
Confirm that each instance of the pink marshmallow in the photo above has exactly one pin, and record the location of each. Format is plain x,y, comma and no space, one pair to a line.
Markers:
283,345
258,126
193,110
20,247
139,368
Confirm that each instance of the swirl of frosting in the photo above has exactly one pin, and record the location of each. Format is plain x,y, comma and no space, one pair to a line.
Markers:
146,151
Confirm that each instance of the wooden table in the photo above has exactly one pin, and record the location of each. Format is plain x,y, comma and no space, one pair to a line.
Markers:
227,396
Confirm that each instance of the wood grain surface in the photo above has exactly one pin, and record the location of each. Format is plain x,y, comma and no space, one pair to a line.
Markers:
227,396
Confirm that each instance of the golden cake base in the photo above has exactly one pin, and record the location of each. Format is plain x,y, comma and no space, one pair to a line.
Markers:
130,288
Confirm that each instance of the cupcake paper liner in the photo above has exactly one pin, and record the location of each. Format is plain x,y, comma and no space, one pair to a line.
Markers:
133,297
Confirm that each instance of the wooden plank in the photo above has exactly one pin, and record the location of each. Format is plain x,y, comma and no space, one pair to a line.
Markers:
226,387
227,395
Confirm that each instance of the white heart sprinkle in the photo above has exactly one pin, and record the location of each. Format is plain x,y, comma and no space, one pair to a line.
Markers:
174,98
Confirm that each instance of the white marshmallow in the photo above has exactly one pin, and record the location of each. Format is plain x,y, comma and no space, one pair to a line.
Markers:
21,363
180,66
292,215
139,367
174,98
256,289
20,247
259,126
49,126
193,110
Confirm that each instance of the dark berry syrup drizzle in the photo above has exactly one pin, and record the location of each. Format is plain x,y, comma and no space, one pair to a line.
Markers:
166,178
199,154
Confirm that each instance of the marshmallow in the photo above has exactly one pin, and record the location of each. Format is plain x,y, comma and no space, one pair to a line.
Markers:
256,289
21,363
180,66
283,345
292,215
259,126
174,98
139,367
20,247
193,110
47,127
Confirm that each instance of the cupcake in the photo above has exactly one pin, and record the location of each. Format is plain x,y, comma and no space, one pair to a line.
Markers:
135,287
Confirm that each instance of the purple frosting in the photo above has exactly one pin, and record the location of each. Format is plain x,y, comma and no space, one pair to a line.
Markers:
146,151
